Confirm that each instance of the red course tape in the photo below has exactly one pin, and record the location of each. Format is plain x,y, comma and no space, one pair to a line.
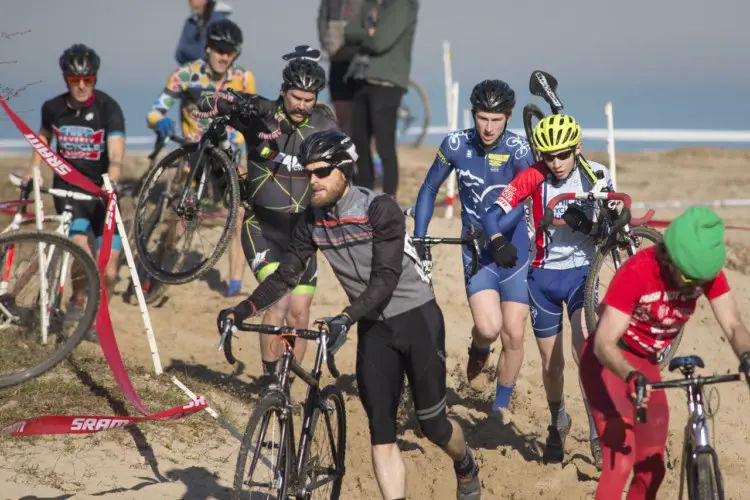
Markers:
89,424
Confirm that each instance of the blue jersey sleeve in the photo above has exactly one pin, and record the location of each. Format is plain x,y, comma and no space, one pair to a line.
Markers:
495,220
439,171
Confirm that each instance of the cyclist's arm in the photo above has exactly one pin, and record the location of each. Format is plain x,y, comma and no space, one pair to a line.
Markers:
290,270
388,235
115,140
168,97
439,171
612,325
728,315
512,197
623,295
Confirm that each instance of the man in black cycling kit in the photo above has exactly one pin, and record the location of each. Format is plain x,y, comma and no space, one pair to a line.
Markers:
277,190
401,331
89,128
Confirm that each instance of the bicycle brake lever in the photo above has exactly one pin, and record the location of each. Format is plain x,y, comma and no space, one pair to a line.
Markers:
225,343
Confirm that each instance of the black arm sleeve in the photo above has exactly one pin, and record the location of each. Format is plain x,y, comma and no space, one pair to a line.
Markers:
291,268
389,231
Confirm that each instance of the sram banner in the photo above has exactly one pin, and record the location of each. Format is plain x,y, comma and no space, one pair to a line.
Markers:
89,424
74,425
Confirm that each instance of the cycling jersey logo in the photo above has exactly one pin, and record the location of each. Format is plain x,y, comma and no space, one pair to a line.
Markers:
495,160
522,145
80,143
454,140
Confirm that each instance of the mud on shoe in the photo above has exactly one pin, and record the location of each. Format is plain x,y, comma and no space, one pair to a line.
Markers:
478,362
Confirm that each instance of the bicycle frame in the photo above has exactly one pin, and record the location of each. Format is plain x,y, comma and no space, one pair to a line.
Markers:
289,364
697,440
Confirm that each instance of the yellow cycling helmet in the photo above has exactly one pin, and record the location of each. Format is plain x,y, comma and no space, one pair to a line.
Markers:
556,132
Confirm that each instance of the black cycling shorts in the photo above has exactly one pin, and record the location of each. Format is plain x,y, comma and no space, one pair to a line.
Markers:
266,236
411,344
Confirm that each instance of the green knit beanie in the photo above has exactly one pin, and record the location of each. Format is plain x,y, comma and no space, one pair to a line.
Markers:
695,243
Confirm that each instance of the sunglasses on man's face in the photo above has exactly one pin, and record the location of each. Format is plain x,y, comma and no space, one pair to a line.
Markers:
321,172
222,50
75,81
560,156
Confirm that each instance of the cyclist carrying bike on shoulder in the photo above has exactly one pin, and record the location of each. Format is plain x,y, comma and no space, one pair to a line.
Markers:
89,128
277,191
401,330
486,158
217,71
561,258
651,298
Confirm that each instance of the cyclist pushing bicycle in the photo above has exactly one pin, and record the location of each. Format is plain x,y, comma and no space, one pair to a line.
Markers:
648,302
401,330
89,128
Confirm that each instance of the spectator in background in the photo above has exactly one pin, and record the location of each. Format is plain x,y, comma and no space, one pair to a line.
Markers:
383,31
333,16
192,44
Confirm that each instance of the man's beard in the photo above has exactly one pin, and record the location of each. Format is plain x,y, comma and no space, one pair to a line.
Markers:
328,198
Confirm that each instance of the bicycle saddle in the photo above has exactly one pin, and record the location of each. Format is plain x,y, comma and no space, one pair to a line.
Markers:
682,361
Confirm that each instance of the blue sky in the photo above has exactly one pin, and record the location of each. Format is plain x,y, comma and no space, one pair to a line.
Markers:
580,41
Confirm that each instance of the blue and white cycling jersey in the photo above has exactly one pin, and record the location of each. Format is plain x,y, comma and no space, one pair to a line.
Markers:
481,176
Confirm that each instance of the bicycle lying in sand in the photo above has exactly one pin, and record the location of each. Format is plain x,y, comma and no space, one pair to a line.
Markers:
699,472
289,472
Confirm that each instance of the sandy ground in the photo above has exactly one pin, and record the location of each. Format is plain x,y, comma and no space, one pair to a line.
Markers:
508,451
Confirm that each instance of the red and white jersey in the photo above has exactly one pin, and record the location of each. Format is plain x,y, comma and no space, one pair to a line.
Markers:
563,248
657,311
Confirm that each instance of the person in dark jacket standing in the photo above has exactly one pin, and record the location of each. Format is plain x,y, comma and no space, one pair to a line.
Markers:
192,44
383,31
333,16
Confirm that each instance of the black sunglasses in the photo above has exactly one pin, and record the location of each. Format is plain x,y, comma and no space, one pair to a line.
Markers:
321,172
562,156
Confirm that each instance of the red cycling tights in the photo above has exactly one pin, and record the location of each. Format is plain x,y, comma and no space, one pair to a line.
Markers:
626,446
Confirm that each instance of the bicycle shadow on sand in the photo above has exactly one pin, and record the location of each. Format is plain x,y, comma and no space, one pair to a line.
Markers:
200,483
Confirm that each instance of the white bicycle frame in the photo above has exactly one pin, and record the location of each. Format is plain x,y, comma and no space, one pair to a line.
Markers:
64,221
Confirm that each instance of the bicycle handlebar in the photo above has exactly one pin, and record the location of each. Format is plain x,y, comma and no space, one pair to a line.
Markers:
549,211
318,335
676,383
26,188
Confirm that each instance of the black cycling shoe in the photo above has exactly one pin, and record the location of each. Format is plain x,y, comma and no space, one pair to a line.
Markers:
554,447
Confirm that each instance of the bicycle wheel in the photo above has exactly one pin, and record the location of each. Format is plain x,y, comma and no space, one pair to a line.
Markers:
23,355
599,274
324,464
415,110
172,252
266,474
706,481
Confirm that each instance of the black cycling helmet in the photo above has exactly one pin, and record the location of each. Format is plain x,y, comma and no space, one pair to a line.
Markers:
304,74
330,146
79,60
225,35
492,96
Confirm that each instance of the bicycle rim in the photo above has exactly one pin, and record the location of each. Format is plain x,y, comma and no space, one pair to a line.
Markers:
324,464
268,476
599,274
28,343
170,253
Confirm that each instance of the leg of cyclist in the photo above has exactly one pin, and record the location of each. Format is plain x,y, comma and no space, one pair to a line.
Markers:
579,333
546,299
626,446
301,297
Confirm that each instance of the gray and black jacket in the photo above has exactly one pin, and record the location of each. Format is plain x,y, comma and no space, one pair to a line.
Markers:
367,246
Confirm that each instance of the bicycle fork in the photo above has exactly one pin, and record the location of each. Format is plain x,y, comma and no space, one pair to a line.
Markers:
698,442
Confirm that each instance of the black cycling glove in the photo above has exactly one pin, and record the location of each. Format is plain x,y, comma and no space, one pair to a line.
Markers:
338,328
504,253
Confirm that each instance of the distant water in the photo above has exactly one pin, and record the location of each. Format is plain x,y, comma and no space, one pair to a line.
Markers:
679,107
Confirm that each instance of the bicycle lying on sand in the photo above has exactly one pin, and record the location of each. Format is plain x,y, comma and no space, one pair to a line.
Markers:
289,472
699,472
